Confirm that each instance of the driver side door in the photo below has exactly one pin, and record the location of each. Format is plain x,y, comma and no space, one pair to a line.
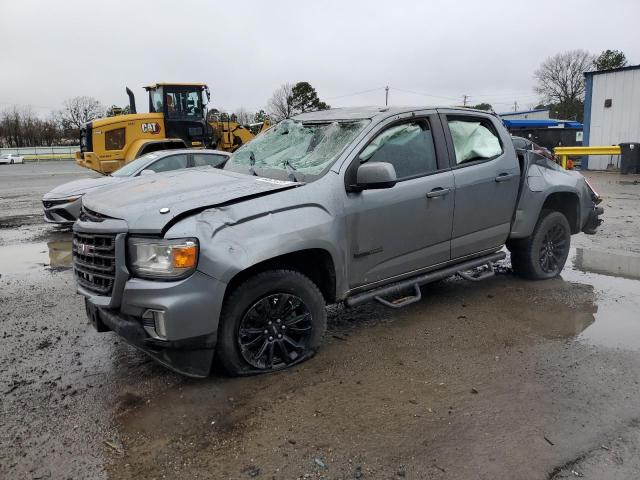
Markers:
398,231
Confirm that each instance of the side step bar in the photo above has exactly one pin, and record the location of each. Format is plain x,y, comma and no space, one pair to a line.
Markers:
415,282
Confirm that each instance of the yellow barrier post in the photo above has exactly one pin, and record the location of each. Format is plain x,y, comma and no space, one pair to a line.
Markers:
565,152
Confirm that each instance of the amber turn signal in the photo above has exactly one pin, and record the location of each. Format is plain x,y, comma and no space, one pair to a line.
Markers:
184,256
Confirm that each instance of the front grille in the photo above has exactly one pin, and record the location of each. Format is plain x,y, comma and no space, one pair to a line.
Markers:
94,261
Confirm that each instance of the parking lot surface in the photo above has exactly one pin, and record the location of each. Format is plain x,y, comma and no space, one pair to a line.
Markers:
504,378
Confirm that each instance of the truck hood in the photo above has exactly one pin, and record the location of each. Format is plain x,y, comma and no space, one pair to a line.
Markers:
80,187
140,201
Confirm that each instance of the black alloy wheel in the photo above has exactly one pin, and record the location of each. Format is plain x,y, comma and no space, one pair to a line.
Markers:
553,250
271,321
543,254
275,331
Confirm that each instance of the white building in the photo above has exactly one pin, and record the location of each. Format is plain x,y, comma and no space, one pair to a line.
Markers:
539,114
611,112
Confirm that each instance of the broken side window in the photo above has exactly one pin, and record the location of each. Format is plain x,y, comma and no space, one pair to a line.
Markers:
473,140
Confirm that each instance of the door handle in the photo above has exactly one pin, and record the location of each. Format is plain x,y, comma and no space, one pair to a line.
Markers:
503,177
437,192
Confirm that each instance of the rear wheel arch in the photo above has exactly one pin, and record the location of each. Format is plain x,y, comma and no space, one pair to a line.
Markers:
566,203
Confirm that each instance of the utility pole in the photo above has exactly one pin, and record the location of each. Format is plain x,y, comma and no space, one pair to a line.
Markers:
515,106
464,100
386,95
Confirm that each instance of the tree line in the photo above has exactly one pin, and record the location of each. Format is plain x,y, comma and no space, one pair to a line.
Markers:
21,127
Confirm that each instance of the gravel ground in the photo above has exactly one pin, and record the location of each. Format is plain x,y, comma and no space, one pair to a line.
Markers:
499,379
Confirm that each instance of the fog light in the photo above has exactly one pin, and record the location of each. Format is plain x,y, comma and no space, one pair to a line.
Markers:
154,324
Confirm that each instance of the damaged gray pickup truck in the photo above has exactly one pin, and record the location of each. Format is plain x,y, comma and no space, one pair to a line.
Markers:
343,205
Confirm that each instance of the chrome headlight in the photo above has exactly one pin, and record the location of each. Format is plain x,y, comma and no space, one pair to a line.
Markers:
164,259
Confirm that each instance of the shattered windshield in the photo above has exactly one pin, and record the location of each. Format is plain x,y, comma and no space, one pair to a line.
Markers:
294,151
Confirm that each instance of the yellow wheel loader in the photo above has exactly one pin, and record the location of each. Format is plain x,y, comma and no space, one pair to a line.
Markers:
229,135
176,119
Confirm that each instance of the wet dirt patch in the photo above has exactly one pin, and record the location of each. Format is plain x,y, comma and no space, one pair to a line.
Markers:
389,388
17,221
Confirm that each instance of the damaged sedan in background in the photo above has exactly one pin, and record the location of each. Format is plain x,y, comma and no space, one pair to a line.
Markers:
62,204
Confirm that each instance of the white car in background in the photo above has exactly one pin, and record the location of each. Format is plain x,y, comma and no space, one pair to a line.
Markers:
63,204
11,158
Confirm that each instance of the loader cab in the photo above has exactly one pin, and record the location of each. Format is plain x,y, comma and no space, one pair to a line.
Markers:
183,108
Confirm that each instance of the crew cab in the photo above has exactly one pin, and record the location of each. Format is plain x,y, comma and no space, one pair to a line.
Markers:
343,205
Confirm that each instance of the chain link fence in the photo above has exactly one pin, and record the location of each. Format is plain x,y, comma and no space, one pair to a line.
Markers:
43,153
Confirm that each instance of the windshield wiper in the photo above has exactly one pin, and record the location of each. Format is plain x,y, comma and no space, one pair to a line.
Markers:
290,169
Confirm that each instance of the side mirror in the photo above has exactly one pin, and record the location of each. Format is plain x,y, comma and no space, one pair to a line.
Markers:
375,175
147,172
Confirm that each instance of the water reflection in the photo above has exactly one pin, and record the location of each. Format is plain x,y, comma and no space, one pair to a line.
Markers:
614,279
21,258
607,263
60,254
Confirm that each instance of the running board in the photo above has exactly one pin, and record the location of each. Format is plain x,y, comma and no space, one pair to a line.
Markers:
415,282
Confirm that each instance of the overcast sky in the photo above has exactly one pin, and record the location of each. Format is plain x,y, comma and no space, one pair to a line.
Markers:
51,50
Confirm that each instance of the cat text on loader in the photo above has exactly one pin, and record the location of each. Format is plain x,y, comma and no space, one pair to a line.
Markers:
176,119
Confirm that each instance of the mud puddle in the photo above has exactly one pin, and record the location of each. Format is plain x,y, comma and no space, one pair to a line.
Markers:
615,277
25,258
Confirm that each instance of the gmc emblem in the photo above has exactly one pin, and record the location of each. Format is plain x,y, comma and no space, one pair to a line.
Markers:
153,128
84,249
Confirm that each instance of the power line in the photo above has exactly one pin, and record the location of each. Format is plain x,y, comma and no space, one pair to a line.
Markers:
506,94
423,94
356,93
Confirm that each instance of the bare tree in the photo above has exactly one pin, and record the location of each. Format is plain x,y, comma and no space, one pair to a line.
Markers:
243,116
79,110
20,127
280,105
560,79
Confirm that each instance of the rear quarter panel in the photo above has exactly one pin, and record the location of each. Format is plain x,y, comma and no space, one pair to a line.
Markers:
540,183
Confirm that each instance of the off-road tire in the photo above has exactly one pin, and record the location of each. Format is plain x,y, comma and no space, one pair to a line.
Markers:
249,294
526,254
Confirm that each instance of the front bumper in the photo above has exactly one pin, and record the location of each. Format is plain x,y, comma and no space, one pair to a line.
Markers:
593,220
190,308
191,357
61,211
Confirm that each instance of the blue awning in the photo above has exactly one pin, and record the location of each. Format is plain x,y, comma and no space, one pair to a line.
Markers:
533,123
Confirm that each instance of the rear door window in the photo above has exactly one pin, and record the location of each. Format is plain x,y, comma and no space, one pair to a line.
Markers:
408,147
166,164
211,159
474,139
